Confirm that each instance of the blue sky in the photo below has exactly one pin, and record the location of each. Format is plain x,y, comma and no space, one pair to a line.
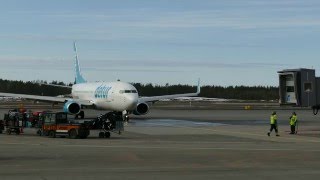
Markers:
224,42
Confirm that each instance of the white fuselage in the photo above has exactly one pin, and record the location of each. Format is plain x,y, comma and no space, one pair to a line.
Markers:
114,96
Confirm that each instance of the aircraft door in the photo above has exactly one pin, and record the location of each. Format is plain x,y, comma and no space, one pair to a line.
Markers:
290,90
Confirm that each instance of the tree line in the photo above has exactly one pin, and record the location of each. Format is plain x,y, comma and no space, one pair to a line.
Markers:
210,91
33,88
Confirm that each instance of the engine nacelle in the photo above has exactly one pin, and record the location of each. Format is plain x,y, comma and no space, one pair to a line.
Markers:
72,107
141,109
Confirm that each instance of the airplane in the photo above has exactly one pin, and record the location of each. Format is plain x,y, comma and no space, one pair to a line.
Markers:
115,96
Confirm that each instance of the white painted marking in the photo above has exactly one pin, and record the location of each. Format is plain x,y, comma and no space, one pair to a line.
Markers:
61,131
172,147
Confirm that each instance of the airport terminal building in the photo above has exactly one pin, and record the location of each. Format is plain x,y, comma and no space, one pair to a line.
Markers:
299,87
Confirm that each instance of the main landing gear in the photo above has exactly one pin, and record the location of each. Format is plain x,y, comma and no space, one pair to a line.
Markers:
126,118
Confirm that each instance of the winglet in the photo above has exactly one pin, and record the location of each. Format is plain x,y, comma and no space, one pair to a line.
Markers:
198,88
79,78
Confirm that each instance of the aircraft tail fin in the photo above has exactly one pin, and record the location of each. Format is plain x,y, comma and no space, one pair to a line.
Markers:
79,79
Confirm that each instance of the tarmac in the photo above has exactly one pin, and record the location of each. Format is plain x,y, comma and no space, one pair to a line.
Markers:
173,144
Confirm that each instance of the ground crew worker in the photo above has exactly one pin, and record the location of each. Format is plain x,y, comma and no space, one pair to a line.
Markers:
273,123
293,122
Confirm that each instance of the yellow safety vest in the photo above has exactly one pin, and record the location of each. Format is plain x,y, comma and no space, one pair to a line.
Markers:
293,120
273,119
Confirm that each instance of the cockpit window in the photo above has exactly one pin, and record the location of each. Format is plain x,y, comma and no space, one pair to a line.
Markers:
127,91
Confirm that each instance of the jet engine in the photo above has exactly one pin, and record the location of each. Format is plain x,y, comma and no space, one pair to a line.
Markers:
72,107
141,109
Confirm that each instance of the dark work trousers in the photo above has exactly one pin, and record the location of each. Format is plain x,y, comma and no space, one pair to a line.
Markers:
293,129
275,127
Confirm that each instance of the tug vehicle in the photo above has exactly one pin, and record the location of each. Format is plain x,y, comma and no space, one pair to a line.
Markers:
57,124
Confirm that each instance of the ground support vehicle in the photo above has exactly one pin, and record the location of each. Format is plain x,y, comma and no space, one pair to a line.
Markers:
14,122
57,124
110,122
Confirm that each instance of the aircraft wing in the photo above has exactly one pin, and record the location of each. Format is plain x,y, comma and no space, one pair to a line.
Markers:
56,85
47,98
157,98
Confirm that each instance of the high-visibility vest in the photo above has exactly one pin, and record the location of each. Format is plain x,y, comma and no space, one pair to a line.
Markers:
293,120
273,119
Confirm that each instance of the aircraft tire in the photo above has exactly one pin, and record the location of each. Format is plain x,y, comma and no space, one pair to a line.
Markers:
83,135
8,131
107,134
39,132
73,134
52,134
101,135
17,131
